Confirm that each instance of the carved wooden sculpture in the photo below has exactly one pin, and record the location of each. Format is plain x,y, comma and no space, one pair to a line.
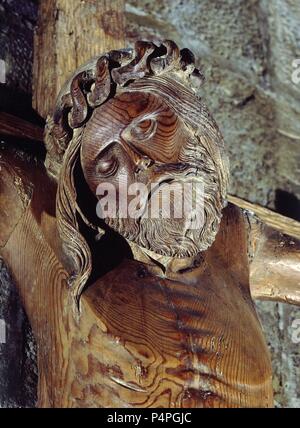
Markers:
134,312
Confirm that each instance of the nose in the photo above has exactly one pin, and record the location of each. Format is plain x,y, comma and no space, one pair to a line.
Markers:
142,163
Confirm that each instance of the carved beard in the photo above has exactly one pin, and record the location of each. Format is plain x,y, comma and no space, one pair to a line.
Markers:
169,237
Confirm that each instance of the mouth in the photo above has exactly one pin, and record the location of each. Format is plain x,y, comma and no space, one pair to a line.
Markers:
155,187
179,173
160,186
152,189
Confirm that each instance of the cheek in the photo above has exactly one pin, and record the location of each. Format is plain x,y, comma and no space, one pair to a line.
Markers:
166,146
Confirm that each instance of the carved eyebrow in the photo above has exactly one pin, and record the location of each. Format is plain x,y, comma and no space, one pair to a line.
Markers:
105,149
125,145
133,148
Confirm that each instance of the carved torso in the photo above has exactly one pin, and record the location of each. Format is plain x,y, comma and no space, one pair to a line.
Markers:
155,314
163,344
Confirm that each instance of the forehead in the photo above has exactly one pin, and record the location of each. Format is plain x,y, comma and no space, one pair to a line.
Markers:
128,105
109,120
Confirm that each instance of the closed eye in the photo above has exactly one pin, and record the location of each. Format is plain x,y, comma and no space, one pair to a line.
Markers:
107,167
107,163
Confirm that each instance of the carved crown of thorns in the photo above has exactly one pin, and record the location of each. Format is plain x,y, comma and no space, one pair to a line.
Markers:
92,85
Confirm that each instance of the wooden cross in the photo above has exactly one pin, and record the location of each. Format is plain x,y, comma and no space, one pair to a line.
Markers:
94,360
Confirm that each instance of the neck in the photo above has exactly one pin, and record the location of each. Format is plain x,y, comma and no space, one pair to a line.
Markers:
164,266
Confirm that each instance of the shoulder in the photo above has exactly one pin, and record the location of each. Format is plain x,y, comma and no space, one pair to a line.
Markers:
15,191
24,184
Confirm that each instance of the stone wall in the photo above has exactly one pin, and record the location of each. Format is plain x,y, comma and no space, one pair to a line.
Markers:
283,338
18,367
246,49
17,22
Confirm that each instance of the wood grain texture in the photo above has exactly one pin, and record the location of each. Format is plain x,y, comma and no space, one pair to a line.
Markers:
277,221
11,125
274,263
68,34
126,77
14,200
139,135
141,341
176,348
274,253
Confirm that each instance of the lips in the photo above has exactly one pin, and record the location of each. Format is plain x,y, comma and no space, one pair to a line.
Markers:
158,186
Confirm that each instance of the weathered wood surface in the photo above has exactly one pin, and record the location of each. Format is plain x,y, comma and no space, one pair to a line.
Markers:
68,34
274,250
274,263
13,126
277,221
192,341
144,342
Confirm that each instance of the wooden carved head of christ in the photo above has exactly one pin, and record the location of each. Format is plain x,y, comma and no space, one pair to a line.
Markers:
132,120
